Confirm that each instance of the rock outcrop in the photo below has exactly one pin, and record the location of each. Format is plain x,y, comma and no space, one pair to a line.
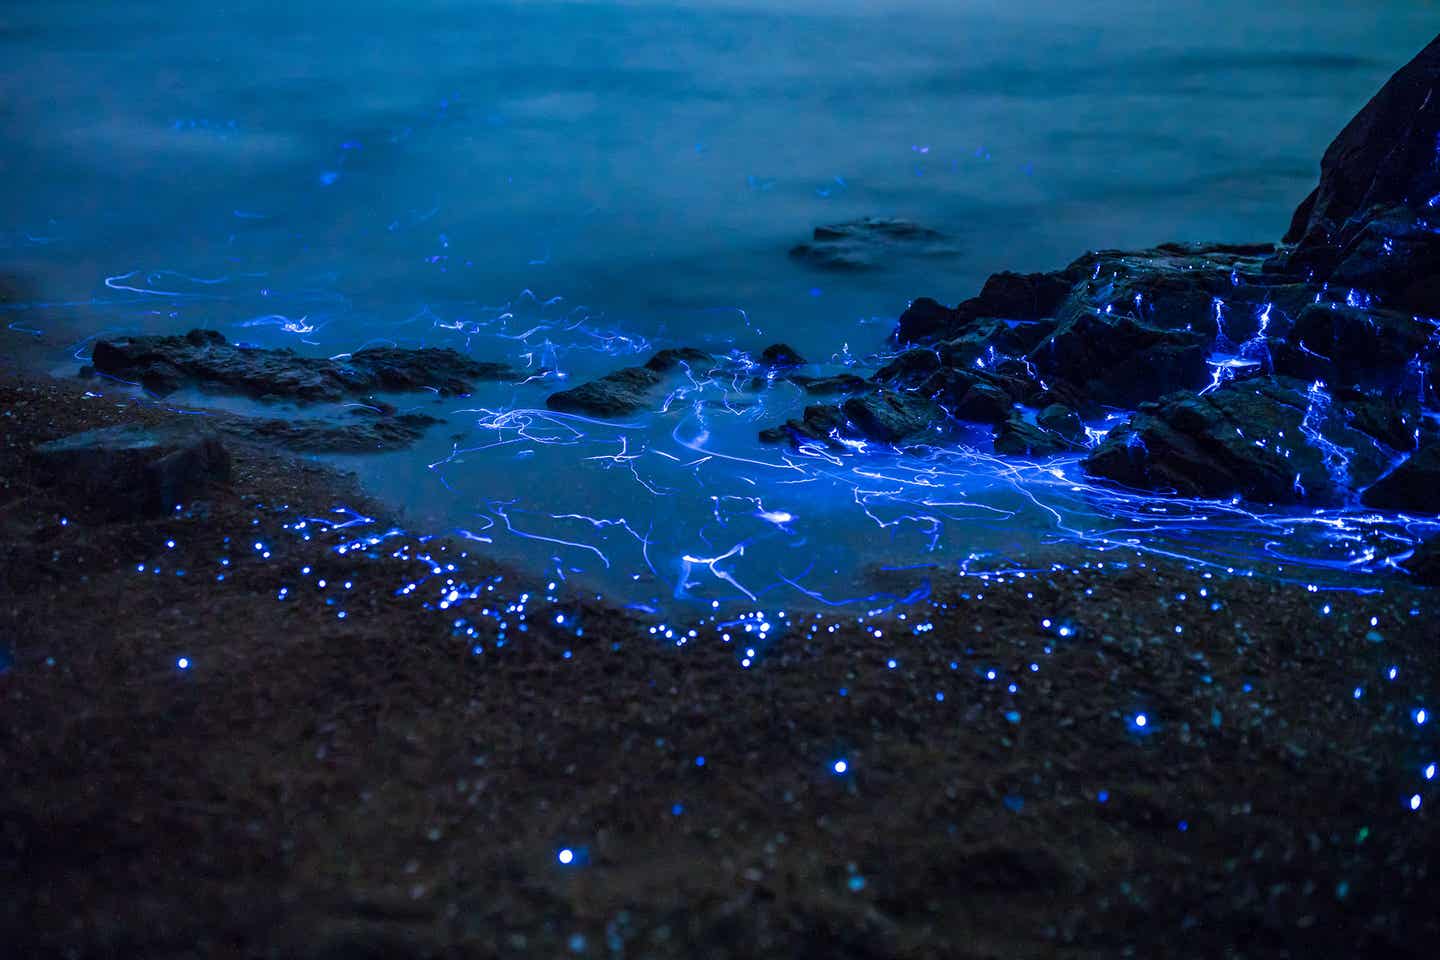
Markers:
206,360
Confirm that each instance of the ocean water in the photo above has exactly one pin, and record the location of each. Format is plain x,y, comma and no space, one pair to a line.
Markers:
569,185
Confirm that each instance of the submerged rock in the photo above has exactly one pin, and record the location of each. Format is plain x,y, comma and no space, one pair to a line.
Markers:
1413,486
131,471
204,359
1270,439
628,390
869,244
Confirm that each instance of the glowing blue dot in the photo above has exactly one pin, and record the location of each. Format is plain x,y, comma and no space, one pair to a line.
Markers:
183,663
891,664
566,856
1415,802
840,766
1183,825
856,883
677,809
1141,720
329,177
1420,717
559,618
699,761
1103,796
1430,772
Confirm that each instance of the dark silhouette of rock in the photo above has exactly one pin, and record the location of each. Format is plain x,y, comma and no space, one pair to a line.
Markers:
630,389
984,403
893,418
1058,418
818,423
126,472
204,359
1412,487
675,357
870,244
1341,344
1018,437
1270,439
1384,156
1122,360
781,355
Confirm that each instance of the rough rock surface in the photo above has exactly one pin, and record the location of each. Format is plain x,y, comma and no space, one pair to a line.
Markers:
1270,439
1383,157
894,419
628,390
364,432
204,359
131,471
1018,437
870,244
1412,487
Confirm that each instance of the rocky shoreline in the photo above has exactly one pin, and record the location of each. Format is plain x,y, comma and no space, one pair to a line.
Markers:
1298,374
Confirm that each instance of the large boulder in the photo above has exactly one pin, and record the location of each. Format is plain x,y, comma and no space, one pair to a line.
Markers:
1385,156
204,359
1268,439
1413,486
132,471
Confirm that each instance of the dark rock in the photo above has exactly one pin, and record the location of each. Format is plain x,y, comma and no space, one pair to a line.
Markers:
890,418
1122,360
819,423
369,435
1424,563
1024,296
1019,437
1412,487
1385,156
910,367
1269,439
893,418
675,357
925,320
839,383
627,390
1348,345
869,244
617,394
1060,419
126,472
203,359
781,355
984,403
